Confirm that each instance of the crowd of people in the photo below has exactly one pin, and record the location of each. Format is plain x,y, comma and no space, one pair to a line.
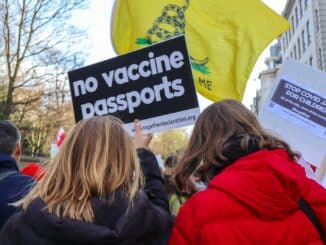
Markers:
235,183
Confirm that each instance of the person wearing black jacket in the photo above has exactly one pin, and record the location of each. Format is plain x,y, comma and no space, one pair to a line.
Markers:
13,185
93,192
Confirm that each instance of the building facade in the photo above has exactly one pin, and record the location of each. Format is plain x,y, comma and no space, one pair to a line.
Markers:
267,77
305,42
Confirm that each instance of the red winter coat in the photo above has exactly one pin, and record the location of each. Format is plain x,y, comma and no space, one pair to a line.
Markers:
253,201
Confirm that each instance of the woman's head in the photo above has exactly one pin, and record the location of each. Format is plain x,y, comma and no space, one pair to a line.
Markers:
170,162
97,158
224,131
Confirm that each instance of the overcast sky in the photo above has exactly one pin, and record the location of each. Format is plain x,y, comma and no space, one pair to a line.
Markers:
96,19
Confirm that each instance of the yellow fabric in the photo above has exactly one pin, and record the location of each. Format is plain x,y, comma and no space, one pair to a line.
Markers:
224,37
175,203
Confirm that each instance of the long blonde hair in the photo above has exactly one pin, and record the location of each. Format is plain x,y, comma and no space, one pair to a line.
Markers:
97,158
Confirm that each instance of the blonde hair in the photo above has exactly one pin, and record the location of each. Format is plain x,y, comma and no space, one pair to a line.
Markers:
97,158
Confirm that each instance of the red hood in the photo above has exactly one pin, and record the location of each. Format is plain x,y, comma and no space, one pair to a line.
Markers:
267,182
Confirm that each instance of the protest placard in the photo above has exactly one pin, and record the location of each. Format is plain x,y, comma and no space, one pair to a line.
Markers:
153,84
299,104
296,110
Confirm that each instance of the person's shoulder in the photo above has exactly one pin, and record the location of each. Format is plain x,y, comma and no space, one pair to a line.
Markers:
208,203
23,177
13,221
202,199
10,228
21,180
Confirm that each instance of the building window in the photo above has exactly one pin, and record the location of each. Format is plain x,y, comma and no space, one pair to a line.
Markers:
296,17
321,60
317,20
299,48
292,24
283,43
308,34
303,42
295,52
287,38
305,4
300,8
310,60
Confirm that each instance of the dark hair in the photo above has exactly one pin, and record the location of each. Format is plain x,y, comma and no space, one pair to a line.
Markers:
170,162
9,137
224,132
170,185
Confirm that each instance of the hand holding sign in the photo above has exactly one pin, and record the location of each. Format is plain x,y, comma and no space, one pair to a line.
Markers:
141,140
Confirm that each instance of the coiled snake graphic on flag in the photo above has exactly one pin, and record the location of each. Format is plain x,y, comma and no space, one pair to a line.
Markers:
172,23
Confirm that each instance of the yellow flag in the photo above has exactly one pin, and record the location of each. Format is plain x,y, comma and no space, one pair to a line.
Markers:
224,37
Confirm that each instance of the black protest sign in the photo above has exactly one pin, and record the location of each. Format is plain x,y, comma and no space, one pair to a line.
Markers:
153,84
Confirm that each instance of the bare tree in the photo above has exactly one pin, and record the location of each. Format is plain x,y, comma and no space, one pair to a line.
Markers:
37,46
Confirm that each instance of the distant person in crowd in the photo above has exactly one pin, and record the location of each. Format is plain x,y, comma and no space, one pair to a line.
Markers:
256,194
176,199
95,191
34,169
13,185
